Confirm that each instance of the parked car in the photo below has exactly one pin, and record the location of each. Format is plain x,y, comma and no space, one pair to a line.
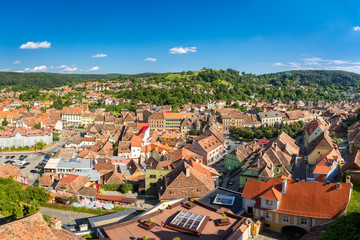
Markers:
7,157
12,157
9,161
34,171
231,181
22,167
27,163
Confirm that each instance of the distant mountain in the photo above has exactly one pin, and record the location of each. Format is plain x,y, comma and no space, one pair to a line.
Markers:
23,81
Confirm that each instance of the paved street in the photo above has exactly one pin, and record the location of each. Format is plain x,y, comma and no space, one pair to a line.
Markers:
67,217
343,147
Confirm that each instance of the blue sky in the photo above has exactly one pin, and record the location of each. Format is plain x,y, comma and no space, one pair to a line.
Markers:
169,36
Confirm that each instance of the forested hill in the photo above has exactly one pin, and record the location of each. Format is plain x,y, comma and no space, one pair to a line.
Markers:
23,81
337,79
321,80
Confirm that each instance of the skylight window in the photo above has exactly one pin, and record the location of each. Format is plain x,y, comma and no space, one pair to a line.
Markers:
188,220
224,200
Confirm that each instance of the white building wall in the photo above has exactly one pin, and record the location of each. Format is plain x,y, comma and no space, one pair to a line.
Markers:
135,152
22,141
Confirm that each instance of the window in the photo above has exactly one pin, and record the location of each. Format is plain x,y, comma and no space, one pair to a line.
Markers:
152,176
304,222
268,202
285,219
268,216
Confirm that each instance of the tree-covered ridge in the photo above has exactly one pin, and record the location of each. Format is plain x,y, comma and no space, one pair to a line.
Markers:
339,79
209,84
204,85
24,81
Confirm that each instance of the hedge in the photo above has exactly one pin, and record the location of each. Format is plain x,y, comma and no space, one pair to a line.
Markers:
111,187
98,211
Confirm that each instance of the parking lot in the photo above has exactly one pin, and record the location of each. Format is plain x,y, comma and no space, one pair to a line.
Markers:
32,159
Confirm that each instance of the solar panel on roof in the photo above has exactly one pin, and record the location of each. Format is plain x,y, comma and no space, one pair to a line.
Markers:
224,200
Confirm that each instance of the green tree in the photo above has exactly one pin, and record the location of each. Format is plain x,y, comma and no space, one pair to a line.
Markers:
40,145
37,126
34,207
18,211
5,122
126,187
193,132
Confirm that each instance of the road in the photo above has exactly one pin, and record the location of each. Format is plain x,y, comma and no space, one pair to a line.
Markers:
233,143
66,217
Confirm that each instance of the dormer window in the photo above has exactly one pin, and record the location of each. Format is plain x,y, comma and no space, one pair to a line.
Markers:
268,202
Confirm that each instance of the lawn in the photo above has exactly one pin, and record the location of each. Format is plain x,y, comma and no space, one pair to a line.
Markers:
347,226
354,205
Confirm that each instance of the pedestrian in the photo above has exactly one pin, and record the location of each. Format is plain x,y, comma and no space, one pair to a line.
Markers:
162,224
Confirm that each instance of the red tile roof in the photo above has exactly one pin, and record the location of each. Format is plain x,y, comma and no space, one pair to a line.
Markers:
307,199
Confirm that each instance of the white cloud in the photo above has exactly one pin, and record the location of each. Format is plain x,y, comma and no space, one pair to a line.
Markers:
150,59
182,50
278,64
337,62
36,45
67,69
16,62
99,55
326,64
312,61
295,65
5,70
356,28
94,68
41,68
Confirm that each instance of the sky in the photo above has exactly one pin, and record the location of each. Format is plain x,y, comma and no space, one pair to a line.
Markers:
86,36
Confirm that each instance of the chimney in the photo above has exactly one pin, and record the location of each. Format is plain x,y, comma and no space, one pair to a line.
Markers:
187,172
197,160
275,147
284,184
348,179
106,161
338,185
297,180
328,182
95,161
